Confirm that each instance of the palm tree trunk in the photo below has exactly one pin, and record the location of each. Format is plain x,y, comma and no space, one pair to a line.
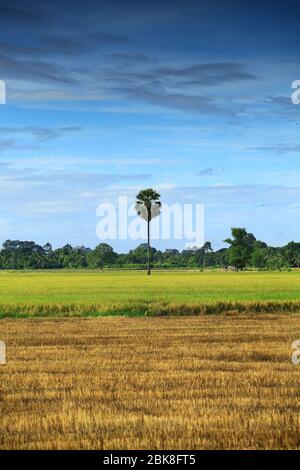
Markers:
148,230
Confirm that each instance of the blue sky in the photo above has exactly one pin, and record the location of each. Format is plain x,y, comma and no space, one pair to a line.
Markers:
192,98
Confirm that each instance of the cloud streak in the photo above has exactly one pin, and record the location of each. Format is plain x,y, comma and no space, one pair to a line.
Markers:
34,71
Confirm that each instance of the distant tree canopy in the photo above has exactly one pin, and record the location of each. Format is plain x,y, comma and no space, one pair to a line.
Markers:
244,251
241,247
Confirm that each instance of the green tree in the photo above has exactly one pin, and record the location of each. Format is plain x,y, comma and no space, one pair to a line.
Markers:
259,256
102,255
140,254
207,248
276,261
147,205
291,254
241,247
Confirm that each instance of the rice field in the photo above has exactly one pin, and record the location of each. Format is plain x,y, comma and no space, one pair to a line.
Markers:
86,293
210,382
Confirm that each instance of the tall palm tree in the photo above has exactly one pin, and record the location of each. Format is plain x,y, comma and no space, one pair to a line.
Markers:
147,206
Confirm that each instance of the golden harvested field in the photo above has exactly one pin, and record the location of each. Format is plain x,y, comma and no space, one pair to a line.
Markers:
209,382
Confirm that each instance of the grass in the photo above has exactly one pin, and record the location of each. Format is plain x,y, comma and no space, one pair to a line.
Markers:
133,293
223,382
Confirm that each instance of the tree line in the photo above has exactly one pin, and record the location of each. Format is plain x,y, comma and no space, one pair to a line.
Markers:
243,251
